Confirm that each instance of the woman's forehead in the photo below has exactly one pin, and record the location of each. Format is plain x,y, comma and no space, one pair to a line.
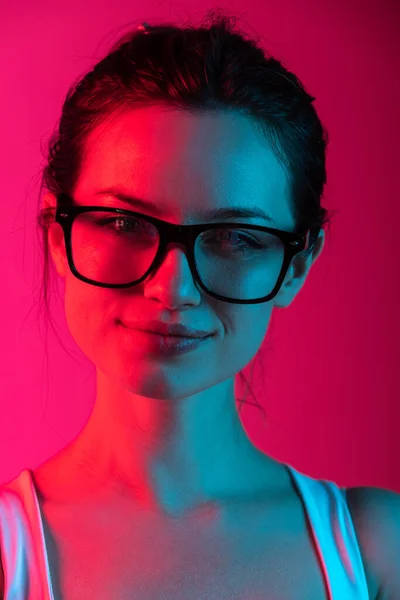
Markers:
186,159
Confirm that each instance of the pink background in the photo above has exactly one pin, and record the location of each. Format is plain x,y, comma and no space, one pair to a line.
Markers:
330,382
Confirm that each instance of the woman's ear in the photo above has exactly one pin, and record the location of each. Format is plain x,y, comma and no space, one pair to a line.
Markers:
297,273
55,237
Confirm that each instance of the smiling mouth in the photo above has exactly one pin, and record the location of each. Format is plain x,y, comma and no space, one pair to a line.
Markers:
183,337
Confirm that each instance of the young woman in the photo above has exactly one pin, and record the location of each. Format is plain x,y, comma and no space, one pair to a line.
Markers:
182,205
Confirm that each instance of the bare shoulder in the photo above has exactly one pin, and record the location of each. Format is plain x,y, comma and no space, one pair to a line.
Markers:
376,516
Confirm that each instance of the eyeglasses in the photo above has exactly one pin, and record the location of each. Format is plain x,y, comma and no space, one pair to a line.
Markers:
233,262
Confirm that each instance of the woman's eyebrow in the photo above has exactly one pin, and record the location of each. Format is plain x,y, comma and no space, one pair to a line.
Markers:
218,213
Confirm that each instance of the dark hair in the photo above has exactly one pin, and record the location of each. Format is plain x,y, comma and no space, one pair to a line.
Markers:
211,67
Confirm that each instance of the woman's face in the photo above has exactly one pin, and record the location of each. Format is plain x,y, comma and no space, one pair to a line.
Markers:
185,165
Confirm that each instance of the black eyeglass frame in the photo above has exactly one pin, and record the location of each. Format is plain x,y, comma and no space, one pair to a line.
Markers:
185,235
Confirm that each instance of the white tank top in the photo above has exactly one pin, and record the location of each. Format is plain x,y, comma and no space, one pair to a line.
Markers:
26,567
